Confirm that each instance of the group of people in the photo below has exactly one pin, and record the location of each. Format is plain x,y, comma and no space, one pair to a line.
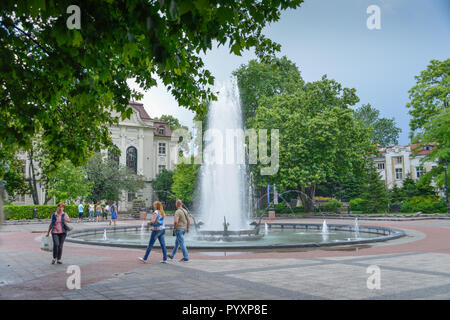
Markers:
181,226
99,211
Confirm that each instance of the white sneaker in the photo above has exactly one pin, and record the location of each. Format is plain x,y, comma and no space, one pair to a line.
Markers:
142,259
163,261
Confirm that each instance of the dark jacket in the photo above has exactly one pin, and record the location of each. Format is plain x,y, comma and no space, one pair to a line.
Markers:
62,222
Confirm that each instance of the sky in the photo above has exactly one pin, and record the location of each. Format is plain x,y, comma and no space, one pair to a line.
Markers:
331,37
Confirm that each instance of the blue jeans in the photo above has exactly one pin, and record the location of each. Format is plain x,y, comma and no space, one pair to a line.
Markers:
157,234
179,242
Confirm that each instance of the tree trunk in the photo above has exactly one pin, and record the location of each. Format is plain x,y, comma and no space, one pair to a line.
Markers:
32,179
307,196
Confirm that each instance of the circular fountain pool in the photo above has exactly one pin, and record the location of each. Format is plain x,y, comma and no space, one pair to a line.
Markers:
276,235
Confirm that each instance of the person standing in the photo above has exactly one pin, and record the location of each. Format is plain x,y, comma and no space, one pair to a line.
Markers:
113,213
91,211
181,225
98,211
158,232
58,230
105,212
80,212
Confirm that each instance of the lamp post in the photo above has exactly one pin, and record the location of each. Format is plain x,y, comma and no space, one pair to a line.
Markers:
446,185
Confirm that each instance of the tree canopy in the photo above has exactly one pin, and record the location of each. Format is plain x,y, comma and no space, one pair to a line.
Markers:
384,131
66,81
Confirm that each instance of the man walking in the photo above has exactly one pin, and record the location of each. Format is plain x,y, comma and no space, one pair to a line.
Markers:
181,225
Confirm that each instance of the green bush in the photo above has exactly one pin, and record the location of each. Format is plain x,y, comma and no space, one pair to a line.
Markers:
283,208
358,204
425,204
14,212
331,206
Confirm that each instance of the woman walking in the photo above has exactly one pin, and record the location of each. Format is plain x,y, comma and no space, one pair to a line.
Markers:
98,211
58,230
158,232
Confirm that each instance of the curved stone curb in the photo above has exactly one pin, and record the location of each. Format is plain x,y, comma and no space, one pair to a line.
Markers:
388,234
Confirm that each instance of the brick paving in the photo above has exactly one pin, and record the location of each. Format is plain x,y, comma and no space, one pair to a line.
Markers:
416,266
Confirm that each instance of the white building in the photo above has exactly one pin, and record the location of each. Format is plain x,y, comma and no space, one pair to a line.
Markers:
395,163
146,147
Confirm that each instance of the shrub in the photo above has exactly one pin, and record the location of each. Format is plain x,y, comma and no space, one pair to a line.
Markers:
358,204
425,204
14,212
283,208
331,206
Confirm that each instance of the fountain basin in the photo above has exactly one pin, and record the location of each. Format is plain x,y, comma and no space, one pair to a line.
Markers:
279,235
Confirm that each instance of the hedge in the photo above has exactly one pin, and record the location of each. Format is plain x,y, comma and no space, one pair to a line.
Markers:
331,206
14,212
283,208
425,204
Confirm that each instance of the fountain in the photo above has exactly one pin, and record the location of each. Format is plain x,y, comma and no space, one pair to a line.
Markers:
266,229
356,228
224,187
324,227
104,235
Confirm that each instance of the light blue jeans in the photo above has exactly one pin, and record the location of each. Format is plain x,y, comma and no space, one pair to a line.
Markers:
179,243
157,234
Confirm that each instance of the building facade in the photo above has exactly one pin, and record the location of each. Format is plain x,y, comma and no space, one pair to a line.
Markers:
146,146
395,163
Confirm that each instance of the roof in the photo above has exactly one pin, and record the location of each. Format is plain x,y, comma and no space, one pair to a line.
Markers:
167,131
140,108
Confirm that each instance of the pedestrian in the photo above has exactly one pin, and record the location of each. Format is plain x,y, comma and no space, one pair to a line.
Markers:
113,213
80,212
98,211
158,231
105,212
181,224
91,211
58,230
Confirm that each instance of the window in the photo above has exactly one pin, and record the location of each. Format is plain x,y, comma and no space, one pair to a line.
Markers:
161,168
399,174
132,159
426,148
398,160
131,196
162,148
419,172
380,165
161,130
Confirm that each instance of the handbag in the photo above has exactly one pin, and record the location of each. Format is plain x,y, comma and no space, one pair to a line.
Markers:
67,226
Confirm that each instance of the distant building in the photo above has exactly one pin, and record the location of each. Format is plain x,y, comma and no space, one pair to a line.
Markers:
146,148
395,163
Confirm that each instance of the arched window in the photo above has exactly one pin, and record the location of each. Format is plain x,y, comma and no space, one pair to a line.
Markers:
132,159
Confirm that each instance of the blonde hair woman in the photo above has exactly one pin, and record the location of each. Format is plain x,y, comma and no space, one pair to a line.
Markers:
158,231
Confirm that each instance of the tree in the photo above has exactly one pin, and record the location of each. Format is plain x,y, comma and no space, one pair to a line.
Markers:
184,181
110,179
15,181
163,184
374,192
319,137
384,131
66,79
259,78
69,183
429,108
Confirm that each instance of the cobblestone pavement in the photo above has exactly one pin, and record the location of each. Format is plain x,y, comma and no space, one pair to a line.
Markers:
416,266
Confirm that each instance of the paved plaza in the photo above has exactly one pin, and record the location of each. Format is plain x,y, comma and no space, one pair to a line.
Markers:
416,266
